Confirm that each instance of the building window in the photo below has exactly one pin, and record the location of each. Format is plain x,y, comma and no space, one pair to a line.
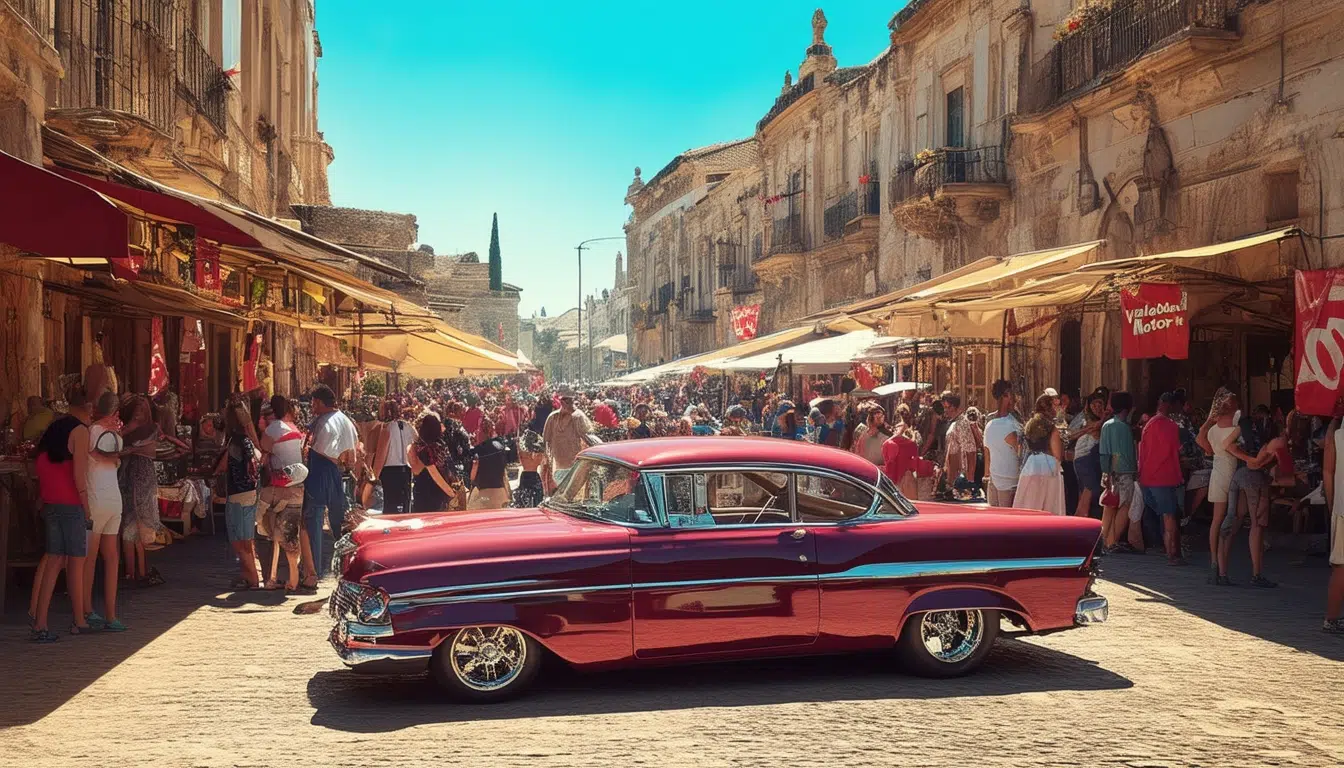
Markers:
956,116
715,178
1281,197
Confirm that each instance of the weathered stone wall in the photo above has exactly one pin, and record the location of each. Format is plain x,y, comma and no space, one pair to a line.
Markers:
382,230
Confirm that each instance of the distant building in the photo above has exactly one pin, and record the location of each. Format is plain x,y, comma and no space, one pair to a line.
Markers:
456,286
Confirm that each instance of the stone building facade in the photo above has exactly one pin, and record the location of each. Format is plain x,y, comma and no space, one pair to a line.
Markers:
997,127
457,286
214,97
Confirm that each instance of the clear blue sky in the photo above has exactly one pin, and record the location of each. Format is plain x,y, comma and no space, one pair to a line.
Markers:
540,111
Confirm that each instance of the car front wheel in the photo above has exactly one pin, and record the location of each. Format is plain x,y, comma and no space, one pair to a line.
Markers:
487,664
947,643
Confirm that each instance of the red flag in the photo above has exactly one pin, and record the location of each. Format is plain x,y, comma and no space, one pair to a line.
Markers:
207,265
746,318
158,367
1154,322
1318,342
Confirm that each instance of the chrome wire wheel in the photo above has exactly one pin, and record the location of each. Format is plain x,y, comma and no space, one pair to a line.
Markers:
951,636
488,658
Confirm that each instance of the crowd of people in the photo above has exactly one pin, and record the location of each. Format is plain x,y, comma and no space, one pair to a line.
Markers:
292,471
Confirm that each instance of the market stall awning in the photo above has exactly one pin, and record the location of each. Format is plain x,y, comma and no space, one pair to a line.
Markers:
428,354
832,354
266,233
525,363
54,217
1245,258
615,343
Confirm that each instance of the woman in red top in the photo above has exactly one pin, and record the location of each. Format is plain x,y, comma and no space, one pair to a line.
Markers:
900,454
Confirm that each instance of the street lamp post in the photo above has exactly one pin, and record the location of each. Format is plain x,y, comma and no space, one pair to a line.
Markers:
579,248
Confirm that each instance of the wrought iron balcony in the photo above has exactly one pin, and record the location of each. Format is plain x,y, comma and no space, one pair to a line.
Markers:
737,277
786,235
35,12
834,217
201,79
117,56
949,167
1112,37
864,201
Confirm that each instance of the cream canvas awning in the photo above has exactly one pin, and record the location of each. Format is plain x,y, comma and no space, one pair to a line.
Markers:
615,343
833,354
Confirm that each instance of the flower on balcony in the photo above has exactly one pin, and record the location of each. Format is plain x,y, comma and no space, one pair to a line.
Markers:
925,156
865,178
1080,17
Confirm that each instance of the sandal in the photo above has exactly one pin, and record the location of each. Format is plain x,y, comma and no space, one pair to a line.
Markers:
114,625
44,636
154,578
87,629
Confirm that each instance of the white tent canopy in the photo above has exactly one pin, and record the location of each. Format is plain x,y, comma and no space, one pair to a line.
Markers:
833,354
615,343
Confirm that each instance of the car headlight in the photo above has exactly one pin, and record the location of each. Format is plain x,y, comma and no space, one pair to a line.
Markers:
372,607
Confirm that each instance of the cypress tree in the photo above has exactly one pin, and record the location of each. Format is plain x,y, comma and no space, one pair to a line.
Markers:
496,263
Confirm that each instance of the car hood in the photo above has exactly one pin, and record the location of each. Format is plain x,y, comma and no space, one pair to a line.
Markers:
414,551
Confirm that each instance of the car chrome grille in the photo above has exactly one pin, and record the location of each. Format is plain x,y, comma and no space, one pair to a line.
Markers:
344,602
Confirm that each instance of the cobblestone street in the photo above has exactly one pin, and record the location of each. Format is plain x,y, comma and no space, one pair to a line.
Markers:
1182,675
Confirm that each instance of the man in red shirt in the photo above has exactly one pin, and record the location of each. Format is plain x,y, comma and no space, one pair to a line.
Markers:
1160,474
471,418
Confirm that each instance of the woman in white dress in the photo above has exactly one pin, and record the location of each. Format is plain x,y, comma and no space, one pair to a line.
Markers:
1040,485
105,447
1213,437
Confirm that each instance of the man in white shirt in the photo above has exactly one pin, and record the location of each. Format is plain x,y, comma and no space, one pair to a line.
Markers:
1332,466
564,435
331,449
1002,444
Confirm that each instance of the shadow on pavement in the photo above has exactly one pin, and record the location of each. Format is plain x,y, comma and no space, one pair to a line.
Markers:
1289,615
38,679
362,704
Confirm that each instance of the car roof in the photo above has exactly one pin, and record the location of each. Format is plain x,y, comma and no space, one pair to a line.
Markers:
655,453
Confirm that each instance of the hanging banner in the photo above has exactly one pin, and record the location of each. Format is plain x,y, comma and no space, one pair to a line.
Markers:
745,319
158,366
207,265
1318,342
1154,322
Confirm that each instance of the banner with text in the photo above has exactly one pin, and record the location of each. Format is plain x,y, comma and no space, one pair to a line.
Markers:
1154,322
745,320
1318,342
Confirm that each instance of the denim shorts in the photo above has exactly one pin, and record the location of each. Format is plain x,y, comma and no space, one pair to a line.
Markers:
1087,468
1164,499
67,535
240,520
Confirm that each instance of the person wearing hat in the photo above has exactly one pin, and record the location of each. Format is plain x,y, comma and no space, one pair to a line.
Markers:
565,434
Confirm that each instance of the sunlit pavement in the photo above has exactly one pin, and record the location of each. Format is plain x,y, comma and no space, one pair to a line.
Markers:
1184,674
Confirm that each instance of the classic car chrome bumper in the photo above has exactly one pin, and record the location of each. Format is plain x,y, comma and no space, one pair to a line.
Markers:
357,646
1093,609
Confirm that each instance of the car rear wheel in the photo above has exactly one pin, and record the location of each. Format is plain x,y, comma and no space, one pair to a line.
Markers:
947,643
487,664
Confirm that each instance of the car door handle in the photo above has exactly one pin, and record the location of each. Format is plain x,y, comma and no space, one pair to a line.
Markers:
800,533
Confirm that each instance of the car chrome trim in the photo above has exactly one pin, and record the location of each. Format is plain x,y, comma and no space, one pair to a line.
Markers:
360,631
951,568
357,657
1093,609
477,593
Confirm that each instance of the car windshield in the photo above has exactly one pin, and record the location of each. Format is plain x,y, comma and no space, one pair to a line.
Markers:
889,490
604,491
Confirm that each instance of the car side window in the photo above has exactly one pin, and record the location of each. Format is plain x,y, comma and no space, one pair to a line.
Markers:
827,500
749,497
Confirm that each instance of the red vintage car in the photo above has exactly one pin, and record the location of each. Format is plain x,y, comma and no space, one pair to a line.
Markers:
682,550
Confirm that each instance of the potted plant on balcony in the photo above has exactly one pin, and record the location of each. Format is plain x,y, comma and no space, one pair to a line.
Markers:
1080,17
926,156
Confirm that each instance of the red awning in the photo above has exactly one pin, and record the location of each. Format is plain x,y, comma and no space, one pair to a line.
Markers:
43,213
168,207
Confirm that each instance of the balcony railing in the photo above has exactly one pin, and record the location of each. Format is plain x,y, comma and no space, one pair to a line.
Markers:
798,91
201,78
35,12
737,277
700,315
834,217
949,166
786,234
117,56
1115,37
870,198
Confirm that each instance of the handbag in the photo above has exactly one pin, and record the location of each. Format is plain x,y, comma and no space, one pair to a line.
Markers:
1110,497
